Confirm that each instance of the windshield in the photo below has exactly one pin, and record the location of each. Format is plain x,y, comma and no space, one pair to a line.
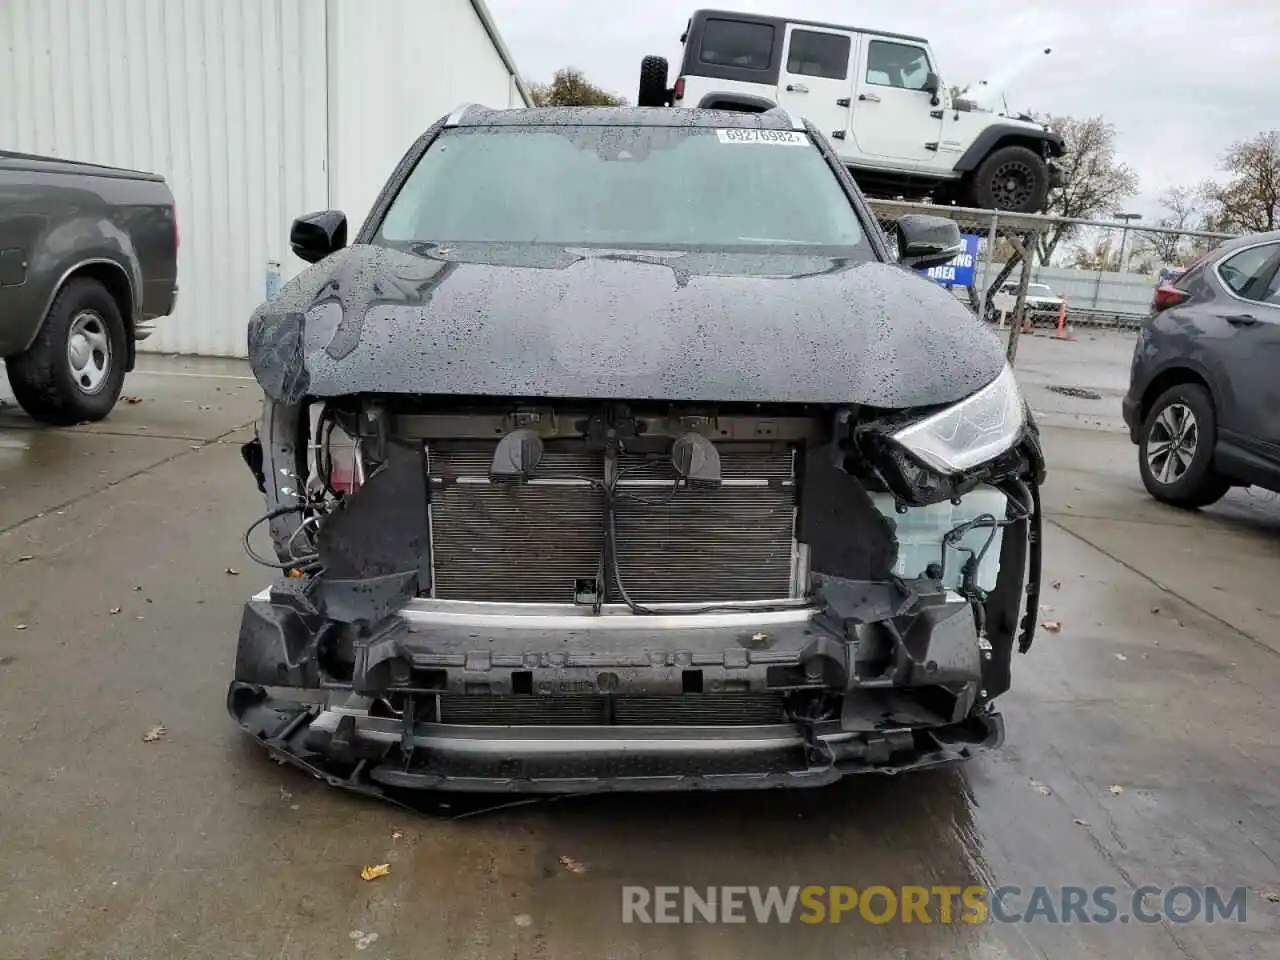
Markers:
623,186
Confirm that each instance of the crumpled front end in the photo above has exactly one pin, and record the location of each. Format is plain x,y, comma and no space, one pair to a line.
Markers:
562,596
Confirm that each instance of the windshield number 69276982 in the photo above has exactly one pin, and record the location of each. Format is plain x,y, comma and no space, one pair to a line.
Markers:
777,137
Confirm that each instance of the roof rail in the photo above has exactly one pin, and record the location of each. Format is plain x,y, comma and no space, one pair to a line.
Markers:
460,112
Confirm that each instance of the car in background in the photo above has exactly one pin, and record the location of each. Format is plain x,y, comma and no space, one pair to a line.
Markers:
1041,302
1204,390
88,263
706,493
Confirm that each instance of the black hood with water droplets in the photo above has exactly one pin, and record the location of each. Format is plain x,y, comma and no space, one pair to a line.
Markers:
557,323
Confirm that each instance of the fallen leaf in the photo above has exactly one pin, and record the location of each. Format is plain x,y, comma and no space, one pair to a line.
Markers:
1057,584
114,610
1053,626
1115,790
154,734
362,940
296,574
232,572
373,872
572,865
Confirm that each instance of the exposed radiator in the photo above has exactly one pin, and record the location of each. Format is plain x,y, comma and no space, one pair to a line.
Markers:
540,541
690,709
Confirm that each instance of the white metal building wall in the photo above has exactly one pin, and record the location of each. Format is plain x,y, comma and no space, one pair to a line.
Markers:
397,68
225,98
241,105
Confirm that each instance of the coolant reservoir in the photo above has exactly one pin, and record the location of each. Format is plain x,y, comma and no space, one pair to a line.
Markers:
920,533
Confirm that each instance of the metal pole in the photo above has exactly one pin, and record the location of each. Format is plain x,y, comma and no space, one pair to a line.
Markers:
1125,218
986,266
1023,246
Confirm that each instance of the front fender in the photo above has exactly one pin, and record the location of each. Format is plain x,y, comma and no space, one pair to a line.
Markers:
1050,143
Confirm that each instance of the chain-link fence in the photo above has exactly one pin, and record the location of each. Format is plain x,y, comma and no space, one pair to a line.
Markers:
1030,273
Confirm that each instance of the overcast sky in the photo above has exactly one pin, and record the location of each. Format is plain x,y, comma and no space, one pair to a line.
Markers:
1180,79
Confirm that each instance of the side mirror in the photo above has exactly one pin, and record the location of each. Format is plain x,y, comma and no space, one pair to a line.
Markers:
932,84
317,235
925,241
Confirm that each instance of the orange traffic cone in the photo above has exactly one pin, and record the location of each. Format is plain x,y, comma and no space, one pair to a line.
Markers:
1062,333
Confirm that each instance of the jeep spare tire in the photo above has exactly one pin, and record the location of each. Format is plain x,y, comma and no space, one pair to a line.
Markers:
653,82
1011,178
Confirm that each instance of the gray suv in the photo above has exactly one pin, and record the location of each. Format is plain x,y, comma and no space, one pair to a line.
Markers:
705,493
1204,390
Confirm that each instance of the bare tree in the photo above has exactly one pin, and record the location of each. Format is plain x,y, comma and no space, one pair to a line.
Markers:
570,88
1094,180
1183,211
1096,255
1249,202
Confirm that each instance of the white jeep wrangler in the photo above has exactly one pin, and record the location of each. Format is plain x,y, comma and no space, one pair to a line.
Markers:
876,95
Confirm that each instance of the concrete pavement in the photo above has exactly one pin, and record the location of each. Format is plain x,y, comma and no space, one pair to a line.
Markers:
1162,682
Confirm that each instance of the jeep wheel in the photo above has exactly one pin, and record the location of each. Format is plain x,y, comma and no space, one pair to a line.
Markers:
653,82
75,369
1175,452
1011,178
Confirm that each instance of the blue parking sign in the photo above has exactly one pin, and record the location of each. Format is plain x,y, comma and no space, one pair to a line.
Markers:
960,269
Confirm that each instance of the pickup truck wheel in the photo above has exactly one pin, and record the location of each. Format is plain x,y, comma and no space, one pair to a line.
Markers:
1012,178
653,82
75,369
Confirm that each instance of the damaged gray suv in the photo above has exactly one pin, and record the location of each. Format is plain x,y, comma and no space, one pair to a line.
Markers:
617,452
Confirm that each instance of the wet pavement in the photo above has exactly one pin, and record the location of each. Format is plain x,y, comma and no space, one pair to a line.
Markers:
1162,681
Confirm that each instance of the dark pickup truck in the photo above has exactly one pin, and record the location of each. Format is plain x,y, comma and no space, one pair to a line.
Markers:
88,262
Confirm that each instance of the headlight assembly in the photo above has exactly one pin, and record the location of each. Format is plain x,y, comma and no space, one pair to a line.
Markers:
971,432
